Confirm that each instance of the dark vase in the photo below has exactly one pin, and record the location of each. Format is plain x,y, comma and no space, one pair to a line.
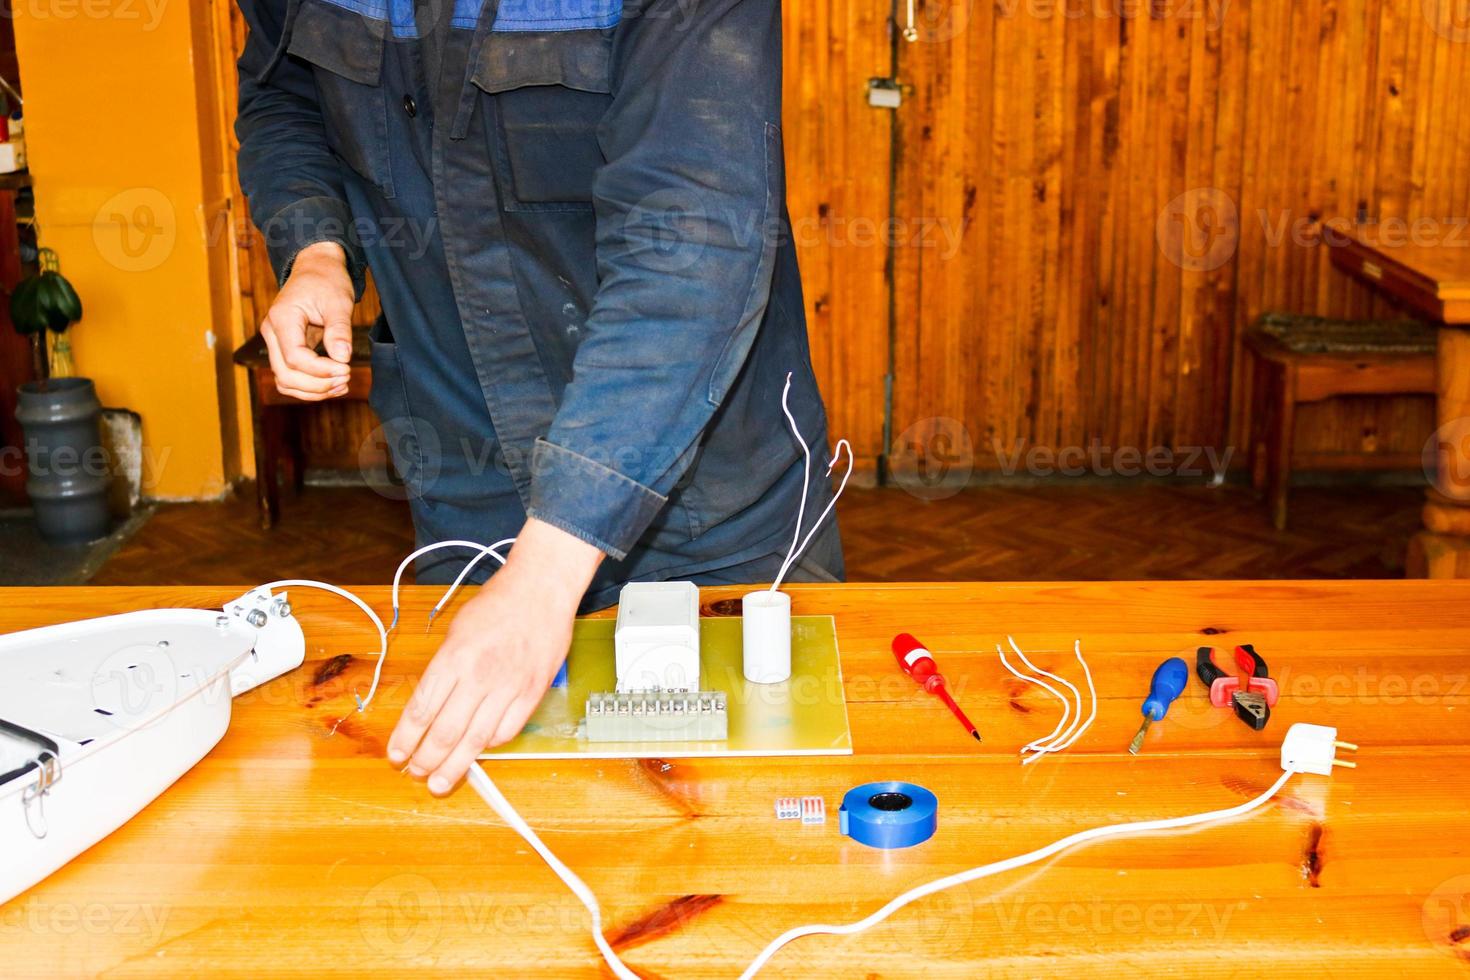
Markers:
67,472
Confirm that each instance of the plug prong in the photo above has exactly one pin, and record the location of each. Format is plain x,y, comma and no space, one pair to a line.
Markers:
1346,746
1344,764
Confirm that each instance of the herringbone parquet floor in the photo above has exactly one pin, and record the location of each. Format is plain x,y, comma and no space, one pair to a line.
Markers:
1049,532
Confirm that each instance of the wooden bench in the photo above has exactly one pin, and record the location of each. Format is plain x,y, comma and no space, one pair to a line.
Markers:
1299,359
277,441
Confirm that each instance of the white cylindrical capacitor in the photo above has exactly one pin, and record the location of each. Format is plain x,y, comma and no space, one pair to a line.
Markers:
766,623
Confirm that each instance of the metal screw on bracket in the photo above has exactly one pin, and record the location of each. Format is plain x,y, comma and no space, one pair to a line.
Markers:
281,608
256,618
222,622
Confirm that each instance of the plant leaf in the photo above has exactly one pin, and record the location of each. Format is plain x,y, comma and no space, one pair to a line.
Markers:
25,310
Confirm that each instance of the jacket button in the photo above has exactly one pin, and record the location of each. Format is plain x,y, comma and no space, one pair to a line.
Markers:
410,106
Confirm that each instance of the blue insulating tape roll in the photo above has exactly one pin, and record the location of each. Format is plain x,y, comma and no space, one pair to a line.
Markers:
889,814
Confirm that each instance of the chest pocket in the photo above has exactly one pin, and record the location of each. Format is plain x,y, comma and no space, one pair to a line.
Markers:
546,95
345,51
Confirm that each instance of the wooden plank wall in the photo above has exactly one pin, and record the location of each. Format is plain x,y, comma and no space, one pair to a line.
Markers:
1093,198
1132,181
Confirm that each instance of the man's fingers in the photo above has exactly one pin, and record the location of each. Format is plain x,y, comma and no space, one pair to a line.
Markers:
475,739
448,729
433,690
297,384
517,713
337,336
287,325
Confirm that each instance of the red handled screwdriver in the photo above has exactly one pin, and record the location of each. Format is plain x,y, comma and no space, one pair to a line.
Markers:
918,663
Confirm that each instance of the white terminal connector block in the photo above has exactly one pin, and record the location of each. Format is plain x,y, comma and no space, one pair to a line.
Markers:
766,636
1313,749
657,637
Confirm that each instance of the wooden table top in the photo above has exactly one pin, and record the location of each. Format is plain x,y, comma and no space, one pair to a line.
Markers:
289,850
1425,264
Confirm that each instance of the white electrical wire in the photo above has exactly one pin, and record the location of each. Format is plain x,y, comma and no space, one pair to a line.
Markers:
362,702
1091,717
489,549
1010,864
798,543
488,791
1066,705
1076,720
476,545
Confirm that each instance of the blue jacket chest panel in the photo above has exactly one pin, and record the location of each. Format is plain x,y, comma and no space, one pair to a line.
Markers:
513,15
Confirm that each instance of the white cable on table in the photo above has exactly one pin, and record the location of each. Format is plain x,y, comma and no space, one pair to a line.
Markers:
362,702
488,791
1010,864
1066,705
1077,719
1091,717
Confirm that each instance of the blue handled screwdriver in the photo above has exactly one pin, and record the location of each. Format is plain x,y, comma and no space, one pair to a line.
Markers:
1168,683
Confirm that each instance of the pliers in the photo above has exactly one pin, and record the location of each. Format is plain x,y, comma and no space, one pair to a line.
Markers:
1252,702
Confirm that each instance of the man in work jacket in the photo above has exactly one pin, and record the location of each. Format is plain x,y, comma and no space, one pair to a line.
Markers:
574,213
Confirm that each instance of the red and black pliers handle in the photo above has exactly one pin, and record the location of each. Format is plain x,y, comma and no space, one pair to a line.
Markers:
1223,684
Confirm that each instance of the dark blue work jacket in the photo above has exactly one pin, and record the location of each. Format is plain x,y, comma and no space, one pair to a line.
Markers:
574,213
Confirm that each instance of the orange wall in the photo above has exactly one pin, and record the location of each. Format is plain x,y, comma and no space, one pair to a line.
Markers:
122,139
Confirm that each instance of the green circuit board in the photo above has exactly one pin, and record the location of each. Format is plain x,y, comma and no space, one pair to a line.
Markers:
805,715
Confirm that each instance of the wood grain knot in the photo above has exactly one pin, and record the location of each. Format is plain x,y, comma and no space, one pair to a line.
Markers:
721,607
330,669
1312,856
669,917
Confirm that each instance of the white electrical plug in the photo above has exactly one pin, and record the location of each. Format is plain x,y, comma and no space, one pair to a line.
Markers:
1313,749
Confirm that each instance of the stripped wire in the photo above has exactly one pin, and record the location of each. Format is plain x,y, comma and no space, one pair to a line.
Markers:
362,702
798,543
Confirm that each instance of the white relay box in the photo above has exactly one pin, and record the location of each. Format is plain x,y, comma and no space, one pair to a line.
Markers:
657,637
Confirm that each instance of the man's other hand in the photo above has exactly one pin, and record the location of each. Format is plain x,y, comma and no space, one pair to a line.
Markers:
503,649
314,305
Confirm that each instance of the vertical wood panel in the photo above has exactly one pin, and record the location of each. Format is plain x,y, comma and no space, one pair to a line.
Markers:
1072,312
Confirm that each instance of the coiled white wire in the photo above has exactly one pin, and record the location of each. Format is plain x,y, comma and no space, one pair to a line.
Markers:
1063,735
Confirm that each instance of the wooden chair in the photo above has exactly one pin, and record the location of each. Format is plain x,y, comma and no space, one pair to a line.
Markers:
1299,359
277,442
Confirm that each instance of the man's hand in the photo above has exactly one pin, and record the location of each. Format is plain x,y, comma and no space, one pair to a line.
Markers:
503,649
314,305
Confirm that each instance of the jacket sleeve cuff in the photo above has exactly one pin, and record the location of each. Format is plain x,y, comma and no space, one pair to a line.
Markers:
589,500
307,222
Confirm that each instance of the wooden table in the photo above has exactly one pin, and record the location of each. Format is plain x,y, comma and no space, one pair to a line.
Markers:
1426,266
292,851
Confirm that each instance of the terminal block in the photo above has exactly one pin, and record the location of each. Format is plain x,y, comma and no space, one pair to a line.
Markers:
658,716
